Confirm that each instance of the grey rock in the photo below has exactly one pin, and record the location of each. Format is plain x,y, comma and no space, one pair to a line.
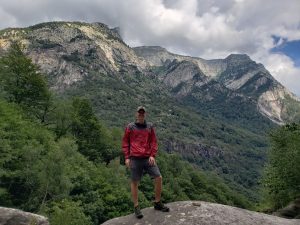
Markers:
195,150
63,49
158,56
201,213
9,216
290,211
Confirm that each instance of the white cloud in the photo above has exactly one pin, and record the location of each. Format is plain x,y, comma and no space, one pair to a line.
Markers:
7,20
204,28
283,69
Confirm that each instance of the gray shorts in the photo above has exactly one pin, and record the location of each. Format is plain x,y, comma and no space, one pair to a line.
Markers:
141,166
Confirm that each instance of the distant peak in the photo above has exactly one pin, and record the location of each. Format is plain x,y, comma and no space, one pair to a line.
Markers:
238,57
151,48
113,32
117,31
55,24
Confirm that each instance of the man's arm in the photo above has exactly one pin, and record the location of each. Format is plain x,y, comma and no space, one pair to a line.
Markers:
126,146
153,143
126,143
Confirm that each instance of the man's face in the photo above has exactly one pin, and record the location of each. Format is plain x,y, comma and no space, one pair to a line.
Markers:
140,115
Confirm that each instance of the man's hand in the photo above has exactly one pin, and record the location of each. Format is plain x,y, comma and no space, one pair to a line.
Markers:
127,163
151,161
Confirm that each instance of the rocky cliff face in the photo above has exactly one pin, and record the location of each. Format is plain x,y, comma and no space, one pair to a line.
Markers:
10,216
202,213
237,73
193,149
291,211
183,76
70,51
158,56
277,104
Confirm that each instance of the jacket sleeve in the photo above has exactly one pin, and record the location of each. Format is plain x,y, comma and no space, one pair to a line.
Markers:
126,143
153,143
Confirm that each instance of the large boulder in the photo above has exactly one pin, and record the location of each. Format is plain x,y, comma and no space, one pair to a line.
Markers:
10,216
291,211
201,213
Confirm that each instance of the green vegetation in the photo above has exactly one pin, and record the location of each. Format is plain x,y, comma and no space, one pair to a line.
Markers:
292,110
60,160
23,84
282,180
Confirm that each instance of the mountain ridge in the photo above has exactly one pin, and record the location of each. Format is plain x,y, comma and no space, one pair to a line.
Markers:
247,73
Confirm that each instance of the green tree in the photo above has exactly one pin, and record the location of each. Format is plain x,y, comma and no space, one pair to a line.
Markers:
282,179
23,144
67,212
23,83
60,118
34,168
93,139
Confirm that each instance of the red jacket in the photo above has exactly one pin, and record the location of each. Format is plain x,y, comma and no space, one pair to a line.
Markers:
139,140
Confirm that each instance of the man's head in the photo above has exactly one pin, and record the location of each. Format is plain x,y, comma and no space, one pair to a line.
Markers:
140,114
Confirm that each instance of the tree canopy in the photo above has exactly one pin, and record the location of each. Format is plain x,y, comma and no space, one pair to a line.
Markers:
282,178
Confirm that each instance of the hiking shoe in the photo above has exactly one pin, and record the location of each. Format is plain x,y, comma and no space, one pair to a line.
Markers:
160,206
138,213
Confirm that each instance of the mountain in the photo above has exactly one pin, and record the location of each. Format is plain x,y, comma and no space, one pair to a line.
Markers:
68,51
215,113
236,73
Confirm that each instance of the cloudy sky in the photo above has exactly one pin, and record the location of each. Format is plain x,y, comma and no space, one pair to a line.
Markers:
268,31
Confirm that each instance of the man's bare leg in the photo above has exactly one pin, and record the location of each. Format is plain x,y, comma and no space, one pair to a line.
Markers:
158,188
158,205
134,192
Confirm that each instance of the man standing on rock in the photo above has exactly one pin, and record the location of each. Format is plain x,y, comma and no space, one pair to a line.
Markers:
139,146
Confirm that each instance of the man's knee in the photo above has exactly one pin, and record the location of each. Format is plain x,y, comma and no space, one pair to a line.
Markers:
158,178
134,183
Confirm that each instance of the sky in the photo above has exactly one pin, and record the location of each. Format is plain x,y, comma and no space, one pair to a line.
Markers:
268,31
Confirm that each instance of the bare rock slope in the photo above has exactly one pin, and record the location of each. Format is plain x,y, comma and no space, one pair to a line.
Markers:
202,213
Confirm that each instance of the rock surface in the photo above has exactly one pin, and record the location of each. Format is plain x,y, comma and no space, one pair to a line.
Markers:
202,213
10,216
291,211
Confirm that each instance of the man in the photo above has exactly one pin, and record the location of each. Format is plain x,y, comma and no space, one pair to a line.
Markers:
139,146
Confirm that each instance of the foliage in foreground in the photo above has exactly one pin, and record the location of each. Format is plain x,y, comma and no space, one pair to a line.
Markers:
282,180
